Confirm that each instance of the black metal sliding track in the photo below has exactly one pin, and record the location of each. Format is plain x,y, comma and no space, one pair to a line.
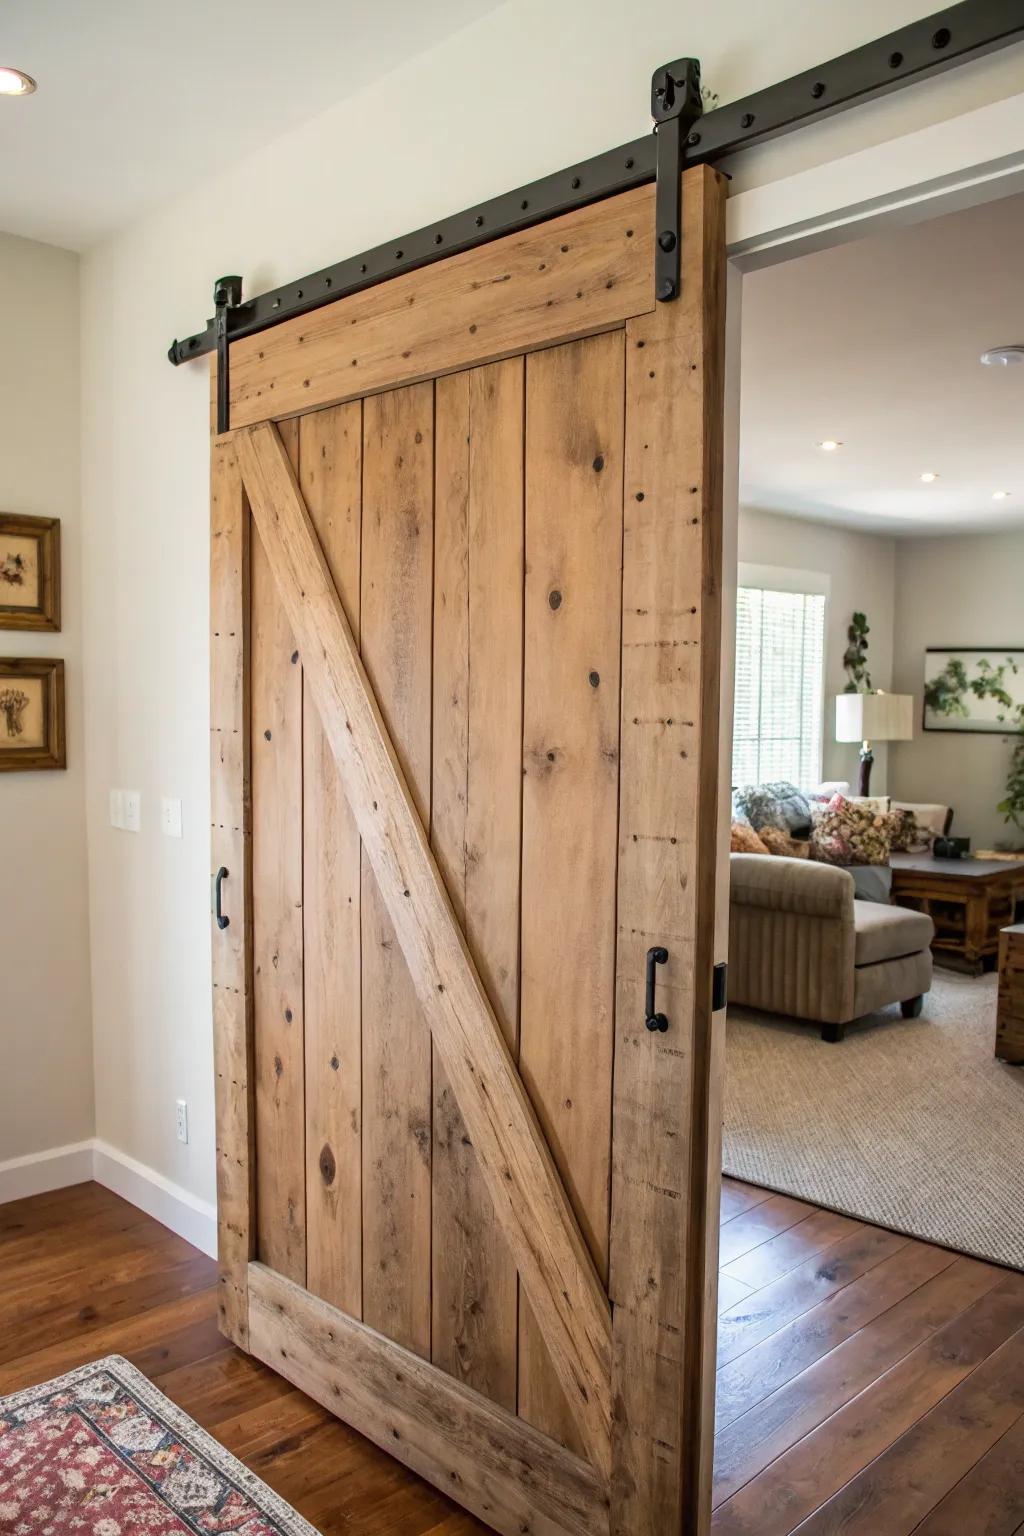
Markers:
923,48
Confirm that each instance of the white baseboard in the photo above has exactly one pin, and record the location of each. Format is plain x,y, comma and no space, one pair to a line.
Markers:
191,1218
40,1172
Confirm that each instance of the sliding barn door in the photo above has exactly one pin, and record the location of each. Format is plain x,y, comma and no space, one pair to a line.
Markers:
465,546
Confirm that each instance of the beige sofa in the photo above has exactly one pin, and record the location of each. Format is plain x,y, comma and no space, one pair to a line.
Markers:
802,945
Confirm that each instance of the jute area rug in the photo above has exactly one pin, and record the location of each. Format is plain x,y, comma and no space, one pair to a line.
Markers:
100,1452
910,1124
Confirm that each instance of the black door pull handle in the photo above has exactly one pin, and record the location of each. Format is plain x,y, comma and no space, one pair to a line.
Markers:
656,956
218,881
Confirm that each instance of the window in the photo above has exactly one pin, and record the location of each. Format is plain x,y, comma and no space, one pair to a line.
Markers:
780,646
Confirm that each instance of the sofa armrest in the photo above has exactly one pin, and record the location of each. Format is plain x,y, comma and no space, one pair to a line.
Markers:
799,886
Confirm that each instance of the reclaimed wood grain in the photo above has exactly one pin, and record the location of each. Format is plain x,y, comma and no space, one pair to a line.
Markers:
572,619
397,601
476,828
668,831
330,463
550,1251
572,276
279,1141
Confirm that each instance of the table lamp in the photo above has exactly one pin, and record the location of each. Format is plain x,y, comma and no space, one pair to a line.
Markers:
868,717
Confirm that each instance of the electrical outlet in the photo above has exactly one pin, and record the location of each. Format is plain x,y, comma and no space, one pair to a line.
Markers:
117,808
181,1120
170,817
132,810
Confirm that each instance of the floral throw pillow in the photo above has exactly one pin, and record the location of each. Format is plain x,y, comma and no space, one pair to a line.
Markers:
909,836
845,833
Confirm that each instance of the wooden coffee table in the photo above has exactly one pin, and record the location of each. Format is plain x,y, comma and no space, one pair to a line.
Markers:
968,900
1010,1011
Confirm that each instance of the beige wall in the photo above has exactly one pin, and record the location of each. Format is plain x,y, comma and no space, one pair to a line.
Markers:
861,569
46,1081
956,591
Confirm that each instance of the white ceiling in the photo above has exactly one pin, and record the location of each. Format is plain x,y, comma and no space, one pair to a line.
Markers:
139,98
876,344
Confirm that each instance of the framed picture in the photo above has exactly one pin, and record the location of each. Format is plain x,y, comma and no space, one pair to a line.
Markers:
976,689
31,714
29,572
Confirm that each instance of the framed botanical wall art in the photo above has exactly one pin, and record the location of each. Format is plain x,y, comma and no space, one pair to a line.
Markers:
31,714
974,689
29,572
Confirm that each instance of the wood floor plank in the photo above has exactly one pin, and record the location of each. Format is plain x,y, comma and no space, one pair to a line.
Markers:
769,1261
731,1292
989,1499
804,1477
759,1371
908,1479
156,1339
751,1442
758,1224
767,1310
738,1197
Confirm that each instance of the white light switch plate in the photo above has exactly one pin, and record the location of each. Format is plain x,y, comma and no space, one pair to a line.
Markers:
117,808
132,810
170,817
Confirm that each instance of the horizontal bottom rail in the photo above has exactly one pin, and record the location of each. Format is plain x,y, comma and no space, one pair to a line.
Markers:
502,1469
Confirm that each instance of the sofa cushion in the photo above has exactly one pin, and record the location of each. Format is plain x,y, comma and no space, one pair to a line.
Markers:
790,885
887,933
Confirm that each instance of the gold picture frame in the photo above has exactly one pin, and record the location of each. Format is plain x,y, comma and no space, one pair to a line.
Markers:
32,733
29,572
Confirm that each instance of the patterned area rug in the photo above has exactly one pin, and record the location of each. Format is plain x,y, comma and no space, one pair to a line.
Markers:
911,1124
100,1452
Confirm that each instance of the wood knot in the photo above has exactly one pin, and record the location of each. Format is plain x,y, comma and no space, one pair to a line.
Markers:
328,1166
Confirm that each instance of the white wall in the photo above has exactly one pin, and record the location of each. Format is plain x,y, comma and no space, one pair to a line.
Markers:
861,568
46,1084
442,132
954,591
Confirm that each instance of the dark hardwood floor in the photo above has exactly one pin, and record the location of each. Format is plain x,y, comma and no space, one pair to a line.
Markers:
869,1384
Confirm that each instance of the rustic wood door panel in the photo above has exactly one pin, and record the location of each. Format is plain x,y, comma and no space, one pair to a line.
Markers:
476,829
464,763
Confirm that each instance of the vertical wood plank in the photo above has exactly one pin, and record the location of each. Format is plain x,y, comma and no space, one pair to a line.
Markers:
330,464
230,815
574,468
396,623
277,921
477,778
667,856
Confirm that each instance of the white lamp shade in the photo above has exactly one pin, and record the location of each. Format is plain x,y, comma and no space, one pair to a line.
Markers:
874,716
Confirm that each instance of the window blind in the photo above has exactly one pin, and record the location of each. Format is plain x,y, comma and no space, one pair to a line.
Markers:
780,657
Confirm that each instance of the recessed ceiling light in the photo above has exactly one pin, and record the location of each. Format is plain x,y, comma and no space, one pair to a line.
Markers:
830,445
1000,495
928,476
15,82
1003,357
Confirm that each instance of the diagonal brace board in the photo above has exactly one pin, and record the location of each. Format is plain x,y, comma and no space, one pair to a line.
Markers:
544,1239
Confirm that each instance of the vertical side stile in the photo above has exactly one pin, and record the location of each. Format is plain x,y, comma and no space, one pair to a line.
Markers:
574,409
396,623
330,465
278,986
230,840
667,857
475,816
